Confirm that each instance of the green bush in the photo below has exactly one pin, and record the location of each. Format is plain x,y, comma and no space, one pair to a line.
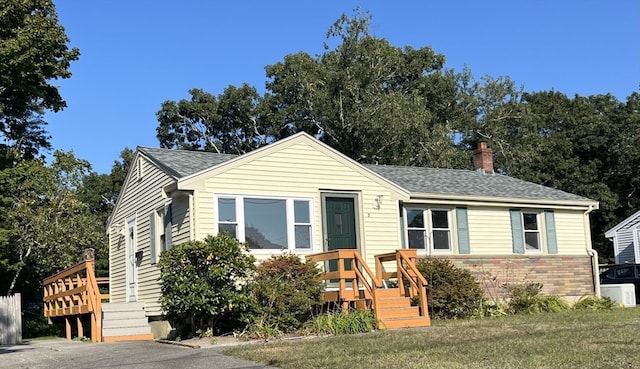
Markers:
526,298
344,322
203,281
594,303
452,292
286,290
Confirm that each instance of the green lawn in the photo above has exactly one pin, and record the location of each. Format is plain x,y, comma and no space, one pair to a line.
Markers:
576,339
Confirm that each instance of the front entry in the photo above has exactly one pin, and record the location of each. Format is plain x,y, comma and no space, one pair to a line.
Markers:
132,283
340,230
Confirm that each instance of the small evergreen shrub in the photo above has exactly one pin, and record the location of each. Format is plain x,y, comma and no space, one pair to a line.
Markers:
527,298
286,290
204,281
452,292
594,303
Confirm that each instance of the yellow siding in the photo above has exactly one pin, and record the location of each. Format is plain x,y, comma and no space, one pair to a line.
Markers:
489,231
302,171
140,197
570,232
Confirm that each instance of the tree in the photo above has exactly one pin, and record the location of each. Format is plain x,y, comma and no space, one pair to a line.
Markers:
43,225
372,101
34,52
228,123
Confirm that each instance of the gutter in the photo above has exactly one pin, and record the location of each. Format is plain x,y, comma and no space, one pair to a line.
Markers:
595,270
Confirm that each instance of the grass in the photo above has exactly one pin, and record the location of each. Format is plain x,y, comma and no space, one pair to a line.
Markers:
575,339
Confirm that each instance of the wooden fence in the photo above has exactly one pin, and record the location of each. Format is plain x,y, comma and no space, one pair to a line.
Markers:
10,320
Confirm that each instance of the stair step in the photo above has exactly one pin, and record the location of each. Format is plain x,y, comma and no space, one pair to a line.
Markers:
388,292
403,312
395,323
116,323
125,331
394,302
122,306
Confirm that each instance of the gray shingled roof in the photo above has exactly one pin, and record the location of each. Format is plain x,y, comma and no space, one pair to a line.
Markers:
467,183
181,163
416,180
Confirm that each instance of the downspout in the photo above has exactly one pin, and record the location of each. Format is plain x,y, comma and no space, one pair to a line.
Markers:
595,270
192,217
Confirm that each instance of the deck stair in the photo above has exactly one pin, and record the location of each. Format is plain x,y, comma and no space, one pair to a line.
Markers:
358,287
124,321
396,311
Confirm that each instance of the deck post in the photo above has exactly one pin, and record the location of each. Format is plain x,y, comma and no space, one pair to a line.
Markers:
67,326
80,329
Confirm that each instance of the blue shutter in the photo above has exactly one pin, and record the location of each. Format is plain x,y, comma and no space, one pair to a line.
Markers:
152,237
463,231
550,227
517,235
403,231
167,227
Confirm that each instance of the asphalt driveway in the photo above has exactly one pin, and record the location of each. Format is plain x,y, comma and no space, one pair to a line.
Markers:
60,353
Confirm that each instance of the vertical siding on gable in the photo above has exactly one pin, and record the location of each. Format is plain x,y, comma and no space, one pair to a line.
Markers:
300,170
139,196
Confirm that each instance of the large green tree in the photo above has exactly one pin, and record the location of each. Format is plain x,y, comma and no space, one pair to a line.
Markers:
43,224
33,53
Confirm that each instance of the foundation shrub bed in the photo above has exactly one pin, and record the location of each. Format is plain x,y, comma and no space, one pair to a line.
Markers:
453,292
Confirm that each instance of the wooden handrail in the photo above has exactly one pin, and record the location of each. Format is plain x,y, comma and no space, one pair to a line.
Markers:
360,274
416,279
405,267
73,292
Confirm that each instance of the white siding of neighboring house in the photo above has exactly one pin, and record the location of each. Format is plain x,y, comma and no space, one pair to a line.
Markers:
624,246
140,196
300,170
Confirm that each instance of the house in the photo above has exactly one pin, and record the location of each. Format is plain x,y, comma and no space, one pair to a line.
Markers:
299,195
626,240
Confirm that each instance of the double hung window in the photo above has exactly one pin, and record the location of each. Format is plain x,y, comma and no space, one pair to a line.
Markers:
429,230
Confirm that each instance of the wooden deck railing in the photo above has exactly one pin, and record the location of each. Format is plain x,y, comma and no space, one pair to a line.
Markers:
406,270
73,293
356,284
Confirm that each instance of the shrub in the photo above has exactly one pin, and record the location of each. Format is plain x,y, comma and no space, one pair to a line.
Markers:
594,303
344,322
286,290
203,281
452,292
526,298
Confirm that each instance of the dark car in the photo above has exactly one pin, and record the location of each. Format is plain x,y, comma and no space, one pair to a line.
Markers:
625,273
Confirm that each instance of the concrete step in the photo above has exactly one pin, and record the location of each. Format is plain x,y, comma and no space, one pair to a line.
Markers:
395,323
125,322
123,306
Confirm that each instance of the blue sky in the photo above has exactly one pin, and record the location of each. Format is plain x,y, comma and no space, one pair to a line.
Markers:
137,54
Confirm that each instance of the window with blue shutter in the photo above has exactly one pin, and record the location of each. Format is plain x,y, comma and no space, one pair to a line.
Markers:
517,234
550,226
463,231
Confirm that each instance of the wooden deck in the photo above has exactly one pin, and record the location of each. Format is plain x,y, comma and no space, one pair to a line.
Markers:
396,293
73,293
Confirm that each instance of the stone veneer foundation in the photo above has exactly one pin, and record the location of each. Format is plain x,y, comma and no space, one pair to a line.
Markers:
568,276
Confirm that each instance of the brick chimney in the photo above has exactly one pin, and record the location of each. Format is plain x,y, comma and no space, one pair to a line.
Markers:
483,158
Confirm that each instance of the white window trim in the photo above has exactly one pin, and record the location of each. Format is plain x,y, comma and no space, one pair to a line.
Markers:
539,231
428,229
290,214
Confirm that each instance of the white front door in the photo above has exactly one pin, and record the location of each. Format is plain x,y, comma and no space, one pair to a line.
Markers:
132,283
